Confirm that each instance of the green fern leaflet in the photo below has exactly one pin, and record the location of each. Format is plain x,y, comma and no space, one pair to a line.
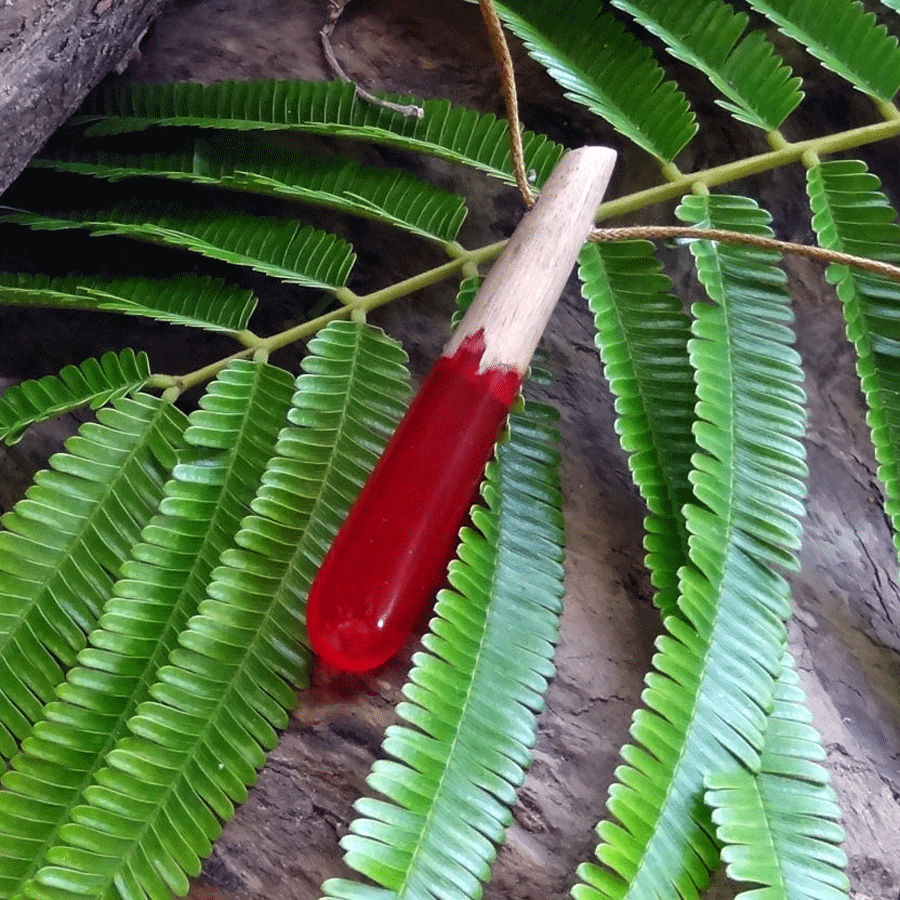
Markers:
586,51
161,588
716,665
281,248
847,39
643,335
64,546
778,826
192,300
851,214
450,132
194,746
385,195
758,88
94,383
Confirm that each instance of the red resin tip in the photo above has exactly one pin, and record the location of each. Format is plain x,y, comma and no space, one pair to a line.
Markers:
391,554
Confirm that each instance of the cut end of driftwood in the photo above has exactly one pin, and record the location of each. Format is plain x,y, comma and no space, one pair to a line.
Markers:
519,294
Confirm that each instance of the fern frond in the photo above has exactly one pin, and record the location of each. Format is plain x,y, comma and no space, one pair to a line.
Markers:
765,397
64,546
322,107
387,195
192,300
587,52
198,743
707,34
642,335
283,249
716,666
231,437
779,827
844,37
95,383
850,213
473,697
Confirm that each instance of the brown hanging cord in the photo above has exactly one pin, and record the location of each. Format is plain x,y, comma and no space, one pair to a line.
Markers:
508,90
664,232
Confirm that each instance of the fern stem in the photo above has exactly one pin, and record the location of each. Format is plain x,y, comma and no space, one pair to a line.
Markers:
354,306
198,376
888,110
673,173
432,276
164,383
466,260
752,165
810,159
455,250
357,306
263,346
246,337
346,297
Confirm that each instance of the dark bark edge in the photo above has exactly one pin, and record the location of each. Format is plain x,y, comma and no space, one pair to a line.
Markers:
51,55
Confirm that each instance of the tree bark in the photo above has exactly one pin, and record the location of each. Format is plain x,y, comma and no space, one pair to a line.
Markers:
51,54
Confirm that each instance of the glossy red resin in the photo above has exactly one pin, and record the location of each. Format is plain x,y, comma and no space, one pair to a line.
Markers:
391,554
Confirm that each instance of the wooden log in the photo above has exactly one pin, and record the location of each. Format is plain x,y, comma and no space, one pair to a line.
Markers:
391,554
51,55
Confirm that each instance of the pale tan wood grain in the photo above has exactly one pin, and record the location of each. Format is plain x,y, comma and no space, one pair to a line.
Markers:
522,289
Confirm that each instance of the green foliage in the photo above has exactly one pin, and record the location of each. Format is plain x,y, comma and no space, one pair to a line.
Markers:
165,719
714,671
154,577
643,335
586,52
283,249
196,745
161,587
758,87
776,825
845,37
851,214
341,184
197,301
63,546
94,383
449,132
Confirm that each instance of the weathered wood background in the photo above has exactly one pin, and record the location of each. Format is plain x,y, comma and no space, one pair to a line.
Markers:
284,841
